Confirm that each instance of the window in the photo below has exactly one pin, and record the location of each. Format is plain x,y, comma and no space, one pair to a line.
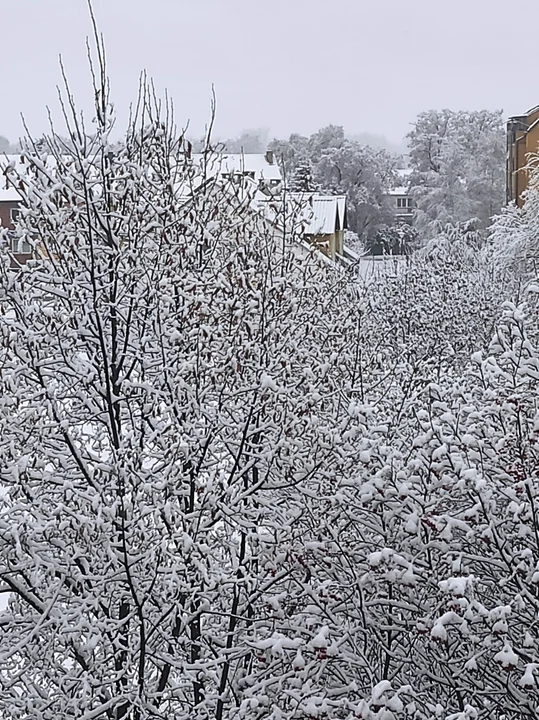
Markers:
20,246
404,202
14,214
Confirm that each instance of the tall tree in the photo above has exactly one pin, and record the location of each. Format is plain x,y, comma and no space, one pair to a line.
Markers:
343,166
290,153
458,162
6,146
248,141
302,179
364,175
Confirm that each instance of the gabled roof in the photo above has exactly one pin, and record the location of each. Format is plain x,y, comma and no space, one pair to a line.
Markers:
234,163
311,213
402,191
341,204
324,214
254,165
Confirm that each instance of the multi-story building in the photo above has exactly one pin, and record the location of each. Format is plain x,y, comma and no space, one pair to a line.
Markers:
401,200
522,141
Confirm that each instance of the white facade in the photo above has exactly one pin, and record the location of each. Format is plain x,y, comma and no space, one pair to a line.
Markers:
401,200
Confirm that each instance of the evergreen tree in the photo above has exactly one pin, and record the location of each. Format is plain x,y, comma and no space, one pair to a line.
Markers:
303,179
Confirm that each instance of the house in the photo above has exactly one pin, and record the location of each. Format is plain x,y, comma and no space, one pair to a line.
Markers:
522,140
326,222
323,216
400,199
255,179
261,168
319,219
9,208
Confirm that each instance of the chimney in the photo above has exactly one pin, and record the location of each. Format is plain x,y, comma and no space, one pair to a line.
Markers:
269,157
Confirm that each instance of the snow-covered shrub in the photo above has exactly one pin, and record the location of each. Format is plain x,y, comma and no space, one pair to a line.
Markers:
514,234
470,516
179,402
238,484
396,239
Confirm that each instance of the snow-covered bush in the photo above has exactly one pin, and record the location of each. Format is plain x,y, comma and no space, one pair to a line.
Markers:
514,234
238,484
469,524
396,239
178,401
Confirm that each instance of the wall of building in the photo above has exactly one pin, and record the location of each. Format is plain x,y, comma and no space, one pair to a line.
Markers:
521,143
339,242
404,213
325,243
6,206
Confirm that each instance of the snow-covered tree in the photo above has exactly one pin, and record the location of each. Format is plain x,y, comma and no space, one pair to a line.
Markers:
302,179
248,141
398,239
236,483
458,159
6,146
514,233
290,153
343,166
179,403
364,175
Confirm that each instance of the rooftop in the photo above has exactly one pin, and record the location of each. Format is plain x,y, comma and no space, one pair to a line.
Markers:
255,164
323,213
9,194
403,189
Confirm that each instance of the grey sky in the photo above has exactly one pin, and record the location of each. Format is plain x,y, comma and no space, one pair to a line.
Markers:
287,65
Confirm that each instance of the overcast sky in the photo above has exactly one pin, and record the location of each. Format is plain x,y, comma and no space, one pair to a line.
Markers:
286,65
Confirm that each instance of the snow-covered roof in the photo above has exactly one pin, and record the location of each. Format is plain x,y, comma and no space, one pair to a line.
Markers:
255,166
324,214
239,163
404,173
21,167
9,194
313,214
402,189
